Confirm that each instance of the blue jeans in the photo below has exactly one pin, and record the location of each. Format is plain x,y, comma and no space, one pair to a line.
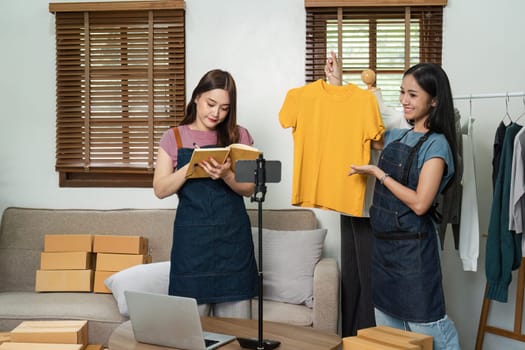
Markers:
443,331
236,309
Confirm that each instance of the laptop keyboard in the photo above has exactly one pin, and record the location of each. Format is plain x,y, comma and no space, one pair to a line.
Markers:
209,342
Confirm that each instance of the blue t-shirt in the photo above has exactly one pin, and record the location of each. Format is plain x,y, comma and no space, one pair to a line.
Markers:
435,146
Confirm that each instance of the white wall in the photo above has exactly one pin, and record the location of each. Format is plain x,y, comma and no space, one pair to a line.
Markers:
262,44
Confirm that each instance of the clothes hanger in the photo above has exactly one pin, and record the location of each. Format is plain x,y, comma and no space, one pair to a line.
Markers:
507,115
466,124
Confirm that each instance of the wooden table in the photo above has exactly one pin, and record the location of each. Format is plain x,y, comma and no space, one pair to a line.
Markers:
291,337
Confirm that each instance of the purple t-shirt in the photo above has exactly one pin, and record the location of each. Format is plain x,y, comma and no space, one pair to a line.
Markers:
200,138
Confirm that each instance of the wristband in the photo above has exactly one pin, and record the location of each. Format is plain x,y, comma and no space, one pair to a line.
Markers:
382,179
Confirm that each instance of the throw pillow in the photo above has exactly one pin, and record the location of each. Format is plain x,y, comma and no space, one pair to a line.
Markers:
153,278
289,259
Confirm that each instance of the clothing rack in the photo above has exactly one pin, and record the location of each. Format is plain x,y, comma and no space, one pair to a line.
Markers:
487,96
516,333
506,95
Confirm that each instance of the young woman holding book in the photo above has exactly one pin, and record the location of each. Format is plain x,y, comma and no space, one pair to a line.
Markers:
415,165
212,257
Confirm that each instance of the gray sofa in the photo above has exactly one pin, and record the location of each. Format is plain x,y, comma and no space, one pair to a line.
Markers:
22,233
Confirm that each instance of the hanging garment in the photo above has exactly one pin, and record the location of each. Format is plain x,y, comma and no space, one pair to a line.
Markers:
498,144
332,128
469,226
449,202
517,188
212,257
357,308
503,250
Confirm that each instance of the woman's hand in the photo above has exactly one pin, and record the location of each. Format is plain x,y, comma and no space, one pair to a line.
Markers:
215,169
224,172
364,169
332,69
420,199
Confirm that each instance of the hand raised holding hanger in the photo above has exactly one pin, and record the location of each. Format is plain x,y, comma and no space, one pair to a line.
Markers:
332,69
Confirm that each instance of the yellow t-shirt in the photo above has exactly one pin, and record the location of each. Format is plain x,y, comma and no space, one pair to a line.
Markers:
332,129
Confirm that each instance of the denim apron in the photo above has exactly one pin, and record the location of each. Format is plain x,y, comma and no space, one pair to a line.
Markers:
212,257
406,270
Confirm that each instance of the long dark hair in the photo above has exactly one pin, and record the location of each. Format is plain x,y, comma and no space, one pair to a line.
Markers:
227,132
433,79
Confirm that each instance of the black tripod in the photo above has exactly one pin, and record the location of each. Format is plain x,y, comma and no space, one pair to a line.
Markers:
260,172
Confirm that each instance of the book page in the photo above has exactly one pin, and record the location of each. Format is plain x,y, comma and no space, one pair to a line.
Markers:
236,151
239,151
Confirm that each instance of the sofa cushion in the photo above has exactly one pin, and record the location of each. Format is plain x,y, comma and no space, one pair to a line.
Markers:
298,315
289,259
153,278
31,305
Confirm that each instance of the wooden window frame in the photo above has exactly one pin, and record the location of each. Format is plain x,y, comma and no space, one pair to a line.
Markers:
120,70
428,15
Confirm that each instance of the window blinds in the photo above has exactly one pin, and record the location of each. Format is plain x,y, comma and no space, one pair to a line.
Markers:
120,79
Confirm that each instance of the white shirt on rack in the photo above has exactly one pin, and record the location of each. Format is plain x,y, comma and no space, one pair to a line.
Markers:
517,187
469,223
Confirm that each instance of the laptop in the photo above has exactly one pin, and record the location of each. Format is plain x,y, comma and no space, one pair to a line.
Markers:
168,320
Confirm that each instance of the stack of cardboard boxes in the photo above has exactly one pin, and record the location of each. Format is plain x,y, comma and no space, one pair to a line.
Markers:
66,264
387,338
116,253
74,263
81,263
49,335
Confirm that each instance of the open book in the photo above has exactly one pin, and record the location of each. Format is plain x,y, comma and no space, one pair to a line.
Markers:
237,151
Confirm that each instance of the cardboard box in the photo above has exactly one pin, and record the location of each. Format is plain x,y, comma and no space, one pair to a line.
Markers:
98,284
5,337
68,243
398,336
387,338
94,347
40,346
56,332
120,244
66,261
118,262
64,281
358,343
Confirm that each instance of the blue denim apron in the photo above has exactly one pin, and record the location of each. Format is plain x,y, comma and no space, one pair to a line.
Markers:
212,257
406,270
